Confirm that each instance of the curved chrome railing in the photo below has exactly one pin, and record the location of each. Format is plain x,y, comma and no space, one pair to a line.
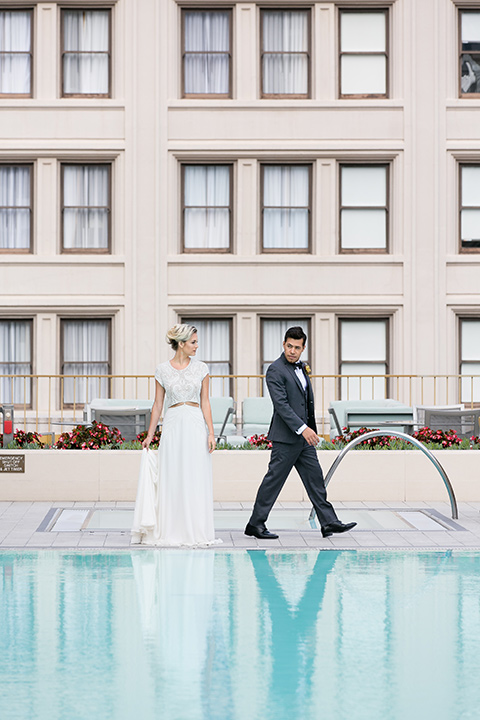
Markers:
403,436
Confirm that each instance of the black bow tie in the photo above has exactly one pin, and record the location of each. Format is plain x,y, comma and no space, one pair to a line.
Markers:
298,365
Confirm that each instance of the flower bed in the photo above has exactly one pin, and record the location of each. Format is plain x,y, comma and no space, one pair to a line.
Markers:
432,439
99,436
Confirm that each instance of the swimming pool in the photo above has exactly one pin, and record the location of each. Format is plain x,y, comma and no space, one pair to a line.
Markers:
187,635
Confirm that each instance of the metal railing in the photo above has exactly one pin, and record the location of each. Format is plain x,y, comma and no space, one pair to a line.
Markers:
47,403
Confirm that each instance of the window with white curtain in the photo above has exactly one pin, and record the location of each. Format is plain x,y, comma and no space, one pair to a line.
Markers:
286,207
363,53
363,352
86,52
215,349
285,53
207,211
469,52
470,208
16,360
15,208
363,207
86,208
273,334
85,349
16,52
206,53
470,359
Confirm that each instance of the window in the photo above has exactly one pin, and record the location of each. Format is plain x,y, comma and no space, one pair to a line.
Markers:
469,208
363,53
207,203
470,360
86,208
363,208
86,52
15,208
85,348
206,53
16,359
286,207
285,53
363,351
469,52
215,349
273,334
16,52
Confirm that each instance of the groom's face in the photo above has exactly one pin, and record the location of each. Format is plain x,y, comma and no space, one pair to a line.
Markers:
293,349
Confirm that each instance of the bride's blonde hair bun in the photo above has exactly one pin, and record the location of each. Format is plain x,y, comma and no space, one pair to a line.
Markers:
179,333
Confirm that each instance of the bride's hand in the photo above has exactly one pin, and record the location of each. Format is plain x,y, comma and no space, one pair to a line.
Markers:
146,442
211,442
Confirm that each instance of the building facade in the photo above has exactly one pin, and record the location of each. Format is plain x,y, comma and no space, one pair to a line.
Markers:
243,166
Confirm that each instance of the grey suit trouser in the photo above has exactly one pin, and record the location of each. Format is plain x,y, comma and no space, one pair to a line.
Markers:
284,457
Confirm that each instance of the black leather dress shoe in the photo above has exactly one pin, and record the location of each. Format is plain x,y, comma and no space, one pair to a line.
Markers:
336,527
260,533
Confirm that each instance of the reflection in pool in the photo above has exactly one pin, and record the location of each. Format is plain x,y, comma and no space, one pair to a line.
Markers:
186,635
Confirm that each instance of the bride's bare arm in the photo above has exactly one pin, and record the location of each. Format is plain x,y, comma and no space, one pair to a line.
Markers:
156,412
207,412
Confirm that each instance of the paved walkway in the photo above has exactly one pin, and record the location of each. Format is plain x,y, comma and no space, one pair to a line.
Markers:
20,523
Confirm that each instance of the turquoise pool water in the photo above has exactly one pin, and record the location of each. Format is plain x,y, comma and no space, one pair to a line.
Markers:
179,635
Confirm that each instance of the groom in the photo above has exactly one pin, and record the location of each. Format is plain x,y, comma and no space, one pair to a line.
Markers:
293,434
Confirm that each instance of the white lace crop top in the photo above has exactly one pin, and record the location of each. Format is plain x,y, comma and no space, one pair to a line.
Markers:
181,385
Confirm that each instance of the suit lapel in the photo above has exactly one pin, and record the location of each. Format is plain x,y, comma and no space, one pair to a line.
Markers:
291,369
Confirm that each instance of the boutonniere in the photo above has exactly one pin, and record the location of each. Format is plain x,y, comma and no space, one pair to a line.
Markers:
307,369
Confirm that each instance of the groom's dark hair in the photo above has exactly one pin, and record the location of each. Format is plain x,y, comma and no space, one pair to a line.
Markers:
296,333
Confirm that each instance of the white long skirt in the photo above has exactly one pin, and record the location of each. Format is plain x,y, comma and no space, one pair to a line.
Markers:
183,491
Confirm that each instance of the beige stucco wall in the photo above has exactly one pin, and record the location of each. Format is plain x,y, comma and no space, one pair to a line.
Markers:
146,130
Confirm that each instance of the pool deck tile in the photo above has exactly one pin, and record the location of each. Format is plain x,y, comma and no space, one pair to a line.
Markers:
291,540
392,539
91,539
66,539
19,522
41,539
368,539
416,539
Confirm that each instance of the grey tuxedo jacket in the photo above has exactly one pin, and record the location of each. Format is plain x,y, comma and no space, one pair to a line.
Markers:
292,407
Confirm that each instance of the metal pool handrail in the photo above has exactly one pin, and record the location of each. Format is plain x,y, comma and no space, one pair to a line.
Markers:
403,436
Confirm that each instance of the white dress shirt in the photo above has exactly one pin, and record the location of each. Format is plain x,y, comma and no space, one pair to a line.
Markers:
301,376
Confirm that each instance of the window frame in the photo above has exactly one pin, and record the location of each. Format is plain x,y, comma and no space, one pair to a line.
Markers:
29,250
388,197
364,318
461,52
61,387
295,251
190,319
85,251
199,163
30,321
276,318
287,96
386,53
27,8
468,403
461,248
207,96
63,52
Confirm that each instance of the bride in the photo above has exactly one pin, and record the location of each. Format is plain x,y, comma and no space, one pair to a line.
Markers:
179,509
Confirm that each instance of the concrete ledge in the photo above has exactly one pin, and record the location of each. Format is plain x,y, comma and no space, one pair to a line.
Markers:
110,475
